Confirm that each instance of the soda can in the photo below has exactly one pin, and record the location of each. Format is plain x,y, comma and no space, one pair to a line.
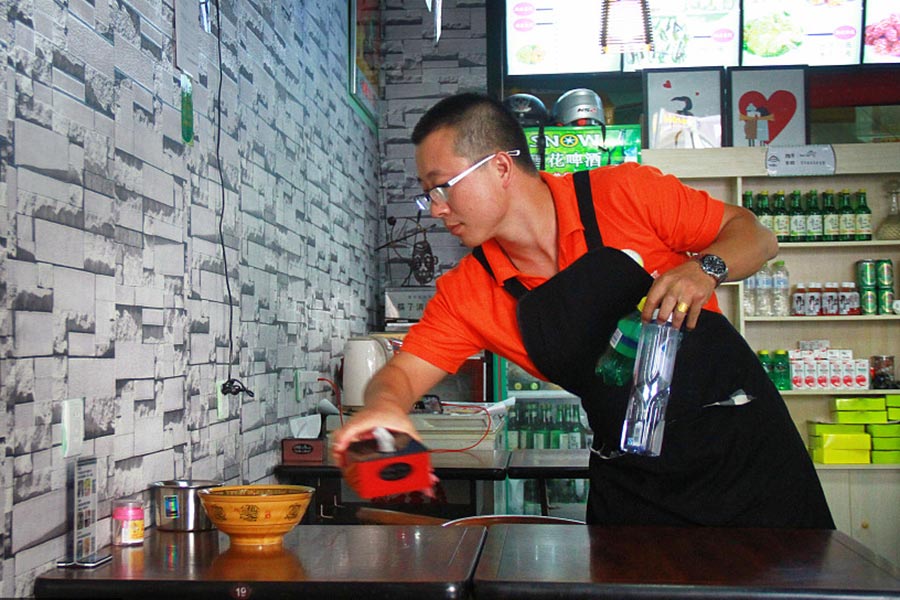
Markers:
865,274
885,301
868,301
884,273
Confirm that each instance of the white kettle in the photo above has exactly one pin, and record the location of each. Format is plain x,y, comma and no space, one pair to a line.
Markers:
363,356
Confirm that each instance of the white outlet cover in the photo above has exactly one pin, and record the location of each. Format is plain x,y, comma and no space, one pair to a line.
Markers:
72,427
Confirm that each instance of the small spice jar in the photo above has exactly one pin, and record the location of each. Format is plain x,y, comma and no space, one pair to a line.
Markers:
127,523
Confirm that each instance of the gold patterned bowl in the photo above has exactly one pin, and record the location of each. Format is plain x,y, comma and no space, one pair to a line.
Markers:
256,515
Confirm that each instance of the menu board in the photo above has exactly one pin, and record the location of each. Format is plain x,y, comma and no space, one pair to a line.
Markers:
691,33
802,32
545,37
881,39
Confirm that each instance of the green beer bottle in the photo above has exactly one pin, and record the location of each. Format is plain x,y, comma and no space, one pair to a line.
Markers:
797,218
781,221
846,217
814,231
830,221
762,210
863,217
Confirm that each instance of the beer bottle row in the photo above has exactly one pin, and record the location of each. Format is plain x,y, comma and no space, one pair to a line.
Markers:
544,425
841,217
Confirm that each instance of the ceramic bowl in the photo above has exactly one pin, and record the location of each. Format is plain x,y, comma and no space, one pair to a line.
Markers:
256,515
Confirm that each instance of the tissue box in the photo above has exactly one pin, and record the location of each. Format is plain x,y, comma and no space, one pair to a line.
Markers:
372,473
302,451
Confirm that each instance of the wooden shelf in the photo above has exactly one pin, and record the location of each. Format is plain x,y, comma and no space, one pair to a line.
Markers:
835,392
836,318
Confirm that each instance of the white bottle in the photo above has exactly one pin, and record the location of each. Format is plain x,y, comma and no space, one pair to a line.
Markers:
781,290
750,296
764,291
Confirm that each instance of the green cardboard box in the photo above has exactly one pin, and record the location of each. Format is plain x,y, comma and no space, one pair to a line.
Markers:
831,456
580,148
863,403
886,457
892,400
859,416
893,414
886,443
841,441
884,430
820,428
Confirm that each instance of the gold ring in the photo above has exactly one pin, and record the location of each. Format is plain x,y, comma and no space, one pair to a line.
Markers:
682,307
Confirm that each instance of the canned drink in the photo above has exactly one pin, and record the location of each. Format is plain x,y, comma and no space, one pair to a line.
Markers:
868,301
885,301
884,273
865,274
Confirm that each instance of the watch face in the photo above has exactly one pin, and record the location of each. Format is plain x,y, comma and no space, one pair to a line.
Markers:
714,266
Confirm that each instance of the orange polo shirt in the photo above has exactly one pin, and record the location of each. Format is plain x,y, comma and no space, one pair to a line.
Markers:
638,209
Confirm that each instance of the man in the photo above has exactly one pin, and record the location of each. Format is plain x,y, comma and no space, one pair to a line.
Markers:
556,261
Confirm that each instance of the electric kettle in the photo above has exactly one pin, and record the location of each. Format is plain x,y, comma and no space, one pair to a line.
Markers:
363,356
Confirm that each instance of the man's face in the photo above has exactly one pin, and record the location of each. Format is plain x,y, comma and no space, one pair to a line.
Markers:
471,209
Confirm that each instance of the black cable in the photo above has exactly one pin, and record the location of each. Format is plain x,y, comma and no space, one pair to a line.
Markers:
231,386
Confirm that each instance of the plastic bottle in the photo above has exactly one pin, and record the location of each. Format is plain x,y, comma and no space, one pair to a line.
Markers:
781,290
813,299
798,301
846,217
797,218
645,415
616,364
750,296
765,359
831,298
781,370
863,218
830,220
764,291
814,226
127,522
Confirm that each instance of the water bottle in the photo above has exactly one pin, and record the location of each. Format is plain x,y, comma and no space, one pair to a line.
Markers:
764,290
781,290
750,296
616,364
645,415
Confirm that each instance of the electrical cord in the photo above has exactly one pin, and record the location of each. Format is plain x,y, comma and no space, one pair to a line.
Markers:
231,386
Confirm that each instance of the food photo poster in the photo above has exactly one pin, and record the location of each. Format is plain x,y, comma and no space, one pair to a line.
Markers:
768,106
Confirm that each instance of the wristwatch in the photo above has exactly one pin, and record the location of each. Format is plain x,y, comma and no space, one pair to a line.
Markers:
713,266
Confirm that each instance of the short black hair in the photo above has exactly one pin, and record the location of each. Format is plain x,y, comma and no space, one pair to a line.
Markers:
483,125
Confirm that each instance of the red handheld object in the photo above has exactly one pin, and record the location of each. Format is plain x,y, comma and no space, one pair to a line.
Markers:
372,473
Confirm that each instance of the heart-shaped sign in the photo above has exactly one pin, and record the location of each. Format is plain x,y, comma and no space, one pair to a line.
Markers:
667,84
781,105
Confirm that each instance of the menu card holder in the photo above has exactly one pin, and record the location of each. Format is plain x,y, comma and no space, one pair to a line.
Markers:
81,489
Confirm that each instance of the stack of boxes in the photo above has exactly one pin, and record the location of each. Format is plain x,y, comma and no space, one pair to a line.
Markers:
818,366
863,431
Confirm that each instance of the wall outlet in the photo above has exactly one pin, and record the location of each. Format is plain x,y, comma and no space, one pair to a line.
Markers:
72,427
221,400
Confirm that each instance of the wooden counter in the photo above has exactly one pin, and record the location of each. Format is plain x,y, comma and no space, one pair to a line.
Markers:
317,561
565,561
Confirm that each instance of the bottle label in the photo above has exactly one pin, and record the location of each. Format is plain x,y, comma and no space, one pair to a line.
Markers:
814,225
798,227
847,224
782,224
767,221
863,224
831,225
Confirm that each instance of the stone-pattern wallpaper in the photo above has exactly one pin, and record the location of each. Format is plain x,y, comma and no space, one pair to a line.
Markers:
113,283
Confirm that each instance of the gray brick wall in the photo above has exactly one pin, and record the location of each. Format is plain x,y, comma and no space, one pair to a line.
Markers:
112,281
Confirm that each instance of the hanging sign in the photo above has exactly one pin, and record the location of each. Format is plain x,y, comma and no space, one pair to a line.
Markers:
793,161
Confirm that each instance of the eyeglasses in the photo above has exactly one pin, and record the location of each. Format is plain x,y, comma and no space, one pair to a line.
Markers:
439,193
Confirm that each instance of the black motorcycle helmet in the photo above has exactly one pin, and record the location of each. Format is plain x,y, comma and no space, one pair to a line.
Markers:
528,110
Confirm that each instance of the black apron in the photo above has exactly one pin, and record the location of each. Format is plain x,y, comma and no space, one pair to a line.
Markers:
721,464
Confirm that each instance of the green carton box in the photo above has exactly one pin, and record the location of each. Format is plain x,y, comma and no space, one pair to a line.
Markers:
841,441
831,456
893,414
863,403
578,148
859,416
885,457
886,443
820,428
892,400
884,430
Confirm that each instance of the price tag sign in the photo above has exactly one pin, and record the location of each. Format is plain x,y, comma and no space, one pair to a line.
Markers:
793,161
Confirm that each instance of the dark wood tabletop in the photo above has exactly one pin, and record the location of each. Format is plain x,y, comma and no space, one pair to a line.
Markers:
479,465
316,561
548,464
570,561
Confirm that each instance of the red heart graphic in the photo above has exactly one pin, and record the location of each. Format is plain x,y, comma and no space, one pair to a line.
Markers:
781,105
667,84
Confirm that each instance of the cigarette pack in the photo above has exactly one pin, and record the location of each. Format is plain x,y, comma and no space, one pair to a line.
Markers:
373,471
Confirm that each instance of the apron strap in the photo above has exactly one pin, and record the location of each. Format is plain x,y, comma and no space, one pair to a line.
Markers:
585,198
512,285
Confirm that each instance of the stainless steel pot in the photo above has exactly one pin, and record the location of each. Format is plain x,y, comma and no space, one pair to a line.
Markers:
177,507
